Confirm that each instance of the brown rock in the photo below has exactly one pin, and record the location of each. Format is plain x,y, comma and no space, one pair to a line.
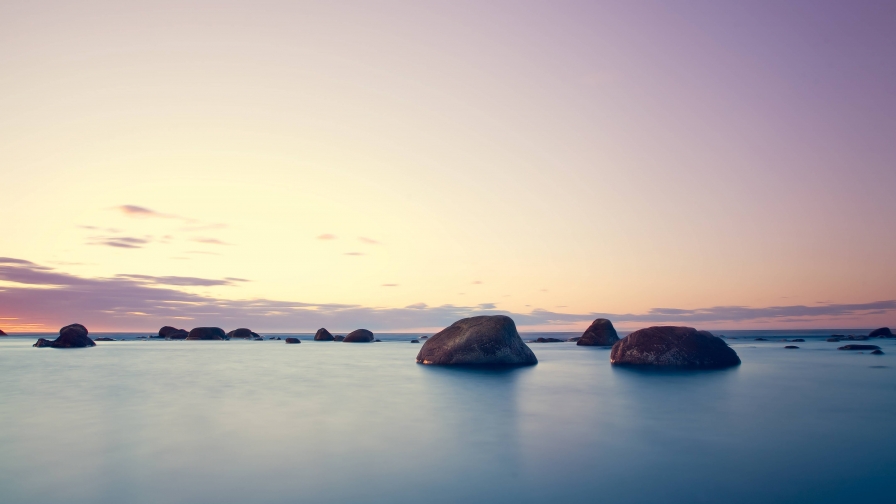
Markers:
293,340
670,346
478,341
359,336
323,335
206,333
600,333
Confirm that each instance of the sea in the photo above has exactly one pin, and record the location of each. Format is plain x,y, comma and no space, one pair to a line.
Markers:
149,421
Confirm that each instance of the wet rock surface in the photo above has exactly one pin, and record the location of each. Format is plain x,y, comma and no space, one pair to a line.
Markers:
671,346
323,335
206,333
477,341
359,336
70,336
600,333
293,340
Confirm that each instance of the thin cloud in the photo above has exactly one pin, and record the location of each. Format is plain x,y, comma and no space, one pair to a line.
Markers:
390,285
143,212
209,241
326,236
128,242
204,252
369,241
178,280
477,282
354,253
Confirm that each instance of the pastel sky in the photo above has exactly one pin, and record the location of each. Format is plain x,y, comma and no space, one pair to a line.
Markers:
399,165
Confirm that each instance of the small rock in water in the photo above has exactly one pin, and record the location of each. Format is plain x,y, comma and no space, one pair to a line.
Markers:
338,338
323,335
760,339
424,337
169,332
859,347
377,341
833,340
574,339
278,338
206,333
548,340
798,340
600,333
486,340
877,352
70,336
359,336
791,346
415,341
293,340
883,332
103,339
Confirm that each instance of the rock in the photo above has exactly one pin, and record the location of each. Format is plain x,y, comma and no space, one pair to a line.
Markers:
791,346
377,341
833,340
156,337
859,347
883,332
323,335
548,340
671,346
359,336
70,336
877,352
338,338
599,333
799,340
574,339
258,339
424,337
483,340
760,339
103,339
241,333
415,341
169,332
206,333
841,336
278,338
858,338
3,333
293,340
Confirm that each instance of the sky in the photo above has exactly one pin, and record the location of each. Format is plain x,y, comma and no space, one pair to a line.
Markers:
399,165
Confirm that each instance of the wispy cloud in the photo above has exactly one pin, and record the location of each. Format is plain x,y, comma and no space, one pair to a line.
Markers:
326,236
476,282
354,253
143,212
390,285
129,242
50,297
369,241
209,241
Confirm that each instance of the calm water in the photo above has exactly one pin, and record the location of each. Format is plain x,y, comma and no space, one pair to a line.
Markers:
266,422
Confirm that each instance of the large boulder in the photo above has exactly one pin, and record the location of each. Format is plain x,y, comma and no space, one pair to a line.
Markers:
169,332
293,340
70,336
670,346
359,336
323,335
477,341
883,332
206,333
242,333
600,333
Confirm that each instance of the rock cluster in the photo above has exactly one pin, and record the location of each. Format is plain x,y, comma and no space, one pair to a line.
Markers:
670,346
70,336
206,333
477,341
169,332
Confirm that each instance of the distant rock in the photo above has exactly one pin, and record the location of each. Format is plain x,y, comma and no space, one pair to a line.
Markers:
833,340
883,332
323,335
857,338
338,338
278,338
600,333
3,333
574,339
415,341
548,340
841,336
359,336
293,340
483,340
859,347
258,339
791,346
70,336
103,339
760,339
670,346
377,341
877,352
799,340
241,333
169,332
424,337
206,333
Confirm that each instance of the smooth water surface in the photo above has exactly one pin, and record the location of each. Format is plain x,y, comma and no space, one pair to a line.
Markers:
266,422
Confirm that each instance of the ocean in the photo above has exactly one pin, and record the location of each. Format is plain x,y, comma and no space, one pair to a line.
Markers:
321,422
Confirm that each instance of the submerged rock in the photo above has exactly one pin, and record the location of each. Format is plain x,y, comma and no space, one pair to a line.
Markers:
206,333
359,336
574,339
323,335
760,339
877,352
424,337
600,333
338,338
293,340
791,346
859,347
548,340
833,340
415,341
883,332
241,333
799,340
70,336
671,346
483,340
169,332
103,339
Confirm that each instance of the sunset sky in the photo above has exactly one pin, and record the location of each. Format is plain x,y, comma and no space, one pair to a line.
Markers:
399,165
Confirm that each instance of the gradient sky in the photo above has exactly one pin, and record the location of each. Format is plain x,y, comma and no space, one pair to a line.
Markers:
395,165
